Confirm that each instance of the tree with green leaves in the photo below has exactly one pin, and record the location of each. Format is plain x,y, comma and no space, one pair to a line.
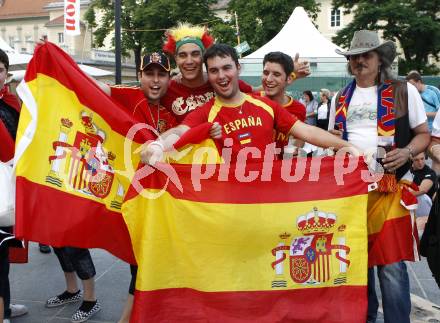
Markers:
144,22
415,24
260,20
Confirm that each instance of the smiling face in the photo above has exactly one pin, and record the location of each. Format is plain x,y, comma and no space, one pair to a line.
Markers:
274,80
223,75
365,67
189,59
154,82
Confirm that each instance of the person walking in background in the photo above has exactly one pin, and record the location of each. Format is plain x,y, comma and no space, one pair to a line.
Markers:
430,95
323,109
311,107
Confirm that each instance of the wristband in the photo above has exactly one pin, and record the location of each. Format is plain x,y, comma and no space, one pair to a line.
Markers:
293,75
157,143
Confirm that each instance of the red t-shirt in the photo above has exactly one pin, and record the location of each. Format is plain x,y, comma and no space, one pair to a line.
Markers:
249,124
297,109
134,100
181,99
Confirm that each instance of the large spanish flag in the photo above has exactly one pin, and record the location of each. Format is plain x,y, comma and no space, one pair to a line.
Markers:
73,169
278,244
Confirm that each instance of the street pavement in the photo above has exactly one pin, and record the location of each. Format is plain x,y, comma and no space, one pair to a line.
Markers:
42,278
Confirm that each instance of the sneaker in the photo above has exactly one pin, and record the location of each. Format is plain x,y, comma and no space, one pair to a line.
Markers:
44,248
17,310
85,312
64,298
6,321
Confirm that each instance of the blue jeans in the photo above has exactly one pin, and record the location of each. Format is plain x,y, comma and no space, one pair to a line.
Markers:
394,286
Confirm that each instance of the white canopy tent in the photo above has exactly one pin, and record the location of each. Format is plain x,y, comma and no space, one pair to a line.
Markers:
23,59
17,76
14,57
94,71
298,35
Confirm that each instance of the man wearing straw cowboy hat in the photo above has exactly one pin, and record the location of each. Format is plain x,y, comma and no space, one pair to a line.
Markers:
377,110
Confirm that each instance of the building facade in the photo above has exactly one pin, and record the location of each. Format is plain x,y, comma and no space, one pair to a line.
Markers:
330,20
23,22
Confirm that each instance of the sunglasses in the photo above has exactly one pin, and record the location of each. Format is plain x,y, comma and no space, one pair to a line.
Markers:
366,55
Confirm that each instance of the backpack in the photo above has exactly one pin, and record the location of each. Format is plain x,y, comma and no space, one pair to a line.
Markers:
430,241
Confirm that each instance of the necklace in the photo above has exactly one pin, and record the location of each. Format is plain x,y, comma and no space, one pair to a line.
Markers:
155,123
240,109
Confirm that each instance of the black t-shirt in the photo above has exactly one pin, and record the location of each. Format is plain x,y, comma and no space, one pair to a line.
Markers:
426,173
9,116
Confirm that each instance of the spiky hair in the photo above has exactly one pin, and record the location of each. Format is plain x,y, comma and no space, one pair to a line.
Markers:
185,32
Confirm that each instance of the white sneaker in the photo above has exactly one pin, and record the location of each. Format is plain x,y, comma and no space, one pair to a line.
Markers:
18,310
6,321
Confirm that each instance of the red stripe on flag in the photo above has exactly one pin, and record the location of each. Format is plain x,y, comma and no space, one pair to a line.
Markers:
300,305
277,190
69,220
393,243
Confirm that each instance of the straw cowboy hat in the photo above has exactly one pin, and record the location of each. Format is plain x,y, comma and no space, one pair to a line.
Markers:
365,40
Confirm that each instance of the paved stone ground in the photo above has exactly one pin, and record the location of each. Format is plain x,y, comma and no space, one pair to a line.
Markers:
41,278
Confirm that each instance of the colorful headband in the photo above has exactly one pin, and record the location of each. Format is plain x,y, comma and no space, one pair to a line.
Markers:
184,34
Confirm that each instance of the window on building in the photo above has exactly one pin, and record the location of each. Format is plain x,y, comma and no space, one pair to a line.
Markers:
335,18
61,38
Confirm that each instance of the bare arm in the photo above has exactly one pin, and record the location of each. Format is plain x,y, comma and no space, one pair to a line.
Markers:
317,136
424,187
434,153
399,156
154,151
102,86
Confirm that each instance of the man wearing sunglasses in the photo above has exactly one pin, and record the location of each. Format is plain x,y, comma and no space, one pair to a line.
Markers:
377,110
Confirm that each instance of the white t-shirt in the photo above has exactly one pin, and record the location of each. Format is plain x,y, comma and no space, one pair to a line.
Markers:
322,111
436,126
362,115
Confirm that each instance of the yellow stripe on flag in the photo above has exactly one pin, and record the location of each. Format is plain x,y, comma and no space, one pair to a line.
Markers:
67,134
205,152
383,207
216,247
